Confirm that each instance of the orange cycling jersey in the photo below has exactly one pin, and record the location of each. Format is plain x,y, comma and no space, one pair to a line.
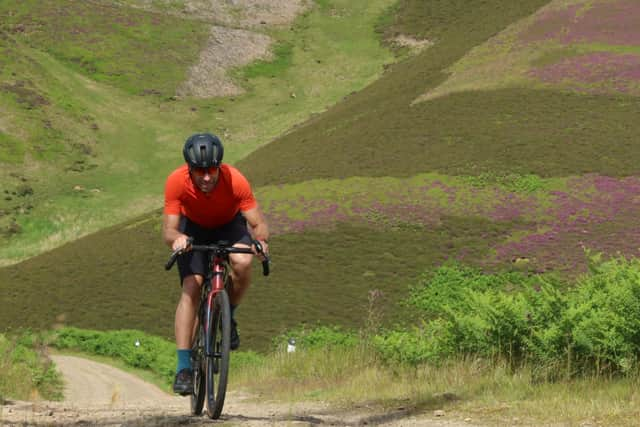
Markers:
231,194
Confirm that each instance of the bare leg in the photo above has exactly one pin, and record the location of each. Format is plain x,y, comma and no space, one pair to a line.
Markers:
241,276
185,321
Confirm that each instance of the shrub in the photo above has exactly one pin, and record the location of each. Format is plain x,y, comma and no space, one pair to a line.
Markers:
449,287
604,313
430,343
591,327
319,336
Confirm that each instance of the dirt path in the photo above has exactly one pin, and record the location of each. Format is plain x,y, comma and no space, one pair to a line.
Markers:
100,395
237,38
93,382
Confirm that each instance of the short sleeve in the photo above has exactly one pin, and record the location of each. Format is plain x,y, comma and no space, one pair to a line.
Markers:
242,192
172,192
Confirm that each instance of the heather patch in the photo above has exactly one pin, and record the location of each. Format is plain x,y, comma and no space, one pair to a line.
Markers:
421,201
549,227
595,213
551,23
598,72
599,31
577,42
609,22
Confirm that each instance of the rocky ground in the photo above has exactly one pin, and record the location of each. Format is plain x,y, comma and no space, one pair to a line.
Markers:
237,38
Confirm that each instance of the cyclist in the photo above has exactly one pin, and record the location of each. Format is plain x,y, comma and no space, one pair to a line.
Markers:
209,201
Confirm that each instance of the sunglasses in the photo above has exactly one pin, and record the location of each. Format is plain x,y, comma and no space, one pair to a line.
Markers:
204,171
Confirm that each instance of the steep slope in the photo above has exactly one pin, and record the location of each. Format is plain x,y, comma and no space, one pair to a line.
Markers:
526,126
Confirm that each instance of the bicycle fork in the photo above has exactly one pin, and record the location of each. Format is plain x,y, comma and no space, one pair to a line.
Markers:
217,285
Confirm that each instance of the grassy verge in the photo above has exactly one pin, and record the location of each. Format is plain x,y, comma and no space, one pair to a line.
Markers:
465,388
25,371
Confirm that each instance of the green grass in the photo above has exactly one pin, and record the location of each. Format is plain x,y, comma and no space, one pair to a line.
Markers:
88,126
283,58
134,50
26,373
487,393
12,150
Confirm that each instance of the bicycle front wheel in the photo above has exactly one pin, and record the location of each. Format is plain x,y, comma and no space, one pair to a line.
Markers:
219,354
198,367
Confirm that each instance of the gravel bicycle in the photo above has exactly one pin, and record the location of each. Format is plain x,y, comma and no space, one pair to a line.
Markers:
211,347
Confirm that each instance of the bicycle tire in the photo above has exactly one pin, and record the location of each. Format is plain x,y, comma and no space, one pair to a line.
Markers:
218,363
198,369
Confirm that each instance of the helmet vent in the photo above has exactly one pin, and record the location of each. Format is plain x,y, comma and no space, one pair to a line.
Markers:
203,153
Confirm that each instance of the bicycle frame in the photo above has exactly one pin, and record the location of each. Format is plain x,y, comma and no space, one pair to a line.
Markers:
212,285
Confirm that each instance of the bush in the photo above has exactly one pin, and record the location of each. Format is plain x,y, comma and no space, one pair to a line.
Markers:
445,289
590,327
319,336
604,313
429,344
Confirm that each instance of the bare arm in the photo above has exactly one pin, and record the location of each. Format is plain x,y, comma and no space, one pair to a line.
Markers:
259,226
171,233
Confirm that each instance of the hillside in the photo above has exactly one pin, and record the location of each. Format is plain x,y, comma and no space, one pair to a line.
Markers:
507,143
530,120
98,97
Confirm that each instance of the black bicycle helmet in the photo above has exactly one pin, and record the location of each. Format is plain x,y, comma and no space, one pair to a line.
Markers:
203,150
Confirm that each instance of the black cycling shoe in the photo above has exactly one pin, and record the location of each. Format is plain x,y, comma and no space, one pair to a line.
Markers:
183,384
235,338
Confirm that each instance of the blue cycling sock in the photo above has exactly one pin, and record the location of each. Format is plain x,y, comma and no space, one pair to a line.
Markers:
184,359
233,309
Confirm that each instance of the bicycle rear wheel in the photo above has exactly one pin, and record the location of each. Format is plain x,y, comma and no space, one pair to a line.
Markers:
218,358
198,367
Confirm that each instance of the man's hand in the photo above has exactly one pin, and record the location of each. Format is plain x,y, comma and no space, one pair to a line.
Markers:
182,242
260,248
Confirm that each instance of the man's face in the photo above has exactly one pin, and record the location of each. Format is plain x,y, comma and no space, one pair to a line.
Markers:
205,178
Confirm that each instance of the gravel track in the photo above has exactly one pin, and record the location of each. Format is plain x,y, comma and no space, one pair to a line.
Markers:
101,395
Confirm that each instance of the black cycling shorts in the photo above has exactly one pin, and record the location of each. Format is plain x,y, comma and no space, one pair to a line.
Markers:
233,232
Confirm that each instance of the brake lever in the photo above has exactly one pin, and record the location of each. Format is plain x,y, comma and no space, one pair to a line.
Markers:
266,263
176,253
